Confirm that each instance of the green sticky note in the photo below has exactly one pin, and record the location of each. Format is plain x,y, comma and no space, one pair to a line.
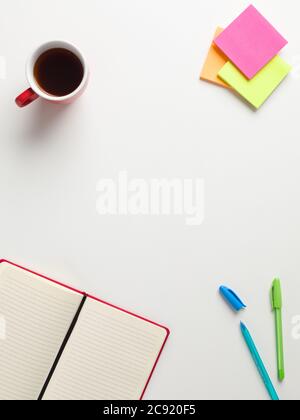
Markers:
258,89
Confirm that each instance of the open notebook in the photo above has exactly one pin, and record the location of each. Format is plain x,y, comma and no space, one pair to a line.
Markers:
59,343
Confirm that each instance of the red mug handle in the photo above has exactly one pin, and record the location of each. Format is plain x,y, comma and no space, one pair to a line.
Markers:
26,98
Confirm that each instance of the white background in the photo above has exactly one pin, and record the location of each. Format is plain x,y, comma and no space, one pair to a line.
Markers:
146,112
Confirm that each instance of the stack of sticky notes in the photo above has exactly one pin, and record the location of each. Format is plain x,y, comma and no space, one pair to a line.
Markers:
244,58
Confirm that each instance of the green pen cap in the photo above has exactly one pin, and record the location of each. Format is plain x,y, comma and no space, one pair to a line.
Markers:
276,295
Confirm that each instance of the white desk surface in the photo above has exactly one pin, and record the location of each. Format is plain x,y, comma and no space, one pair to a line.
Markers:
146,112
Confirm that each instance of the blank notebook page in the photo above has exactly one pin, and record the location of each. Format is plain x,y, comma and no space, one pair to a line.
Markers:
109,356
36,314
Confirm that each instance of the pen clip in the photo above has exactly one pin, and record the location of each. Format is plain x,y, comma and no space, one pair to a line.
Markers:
276,297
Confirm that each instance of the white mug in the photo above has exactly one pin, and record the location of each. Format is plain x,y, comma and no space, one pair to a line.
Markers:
35,91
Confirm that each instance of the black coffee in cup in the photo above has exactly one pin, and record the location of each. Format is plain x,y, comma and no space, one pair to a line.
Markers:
58,72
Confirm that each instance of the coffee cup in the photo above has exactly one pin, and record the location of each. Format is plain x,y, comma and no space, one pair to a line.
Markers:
57,72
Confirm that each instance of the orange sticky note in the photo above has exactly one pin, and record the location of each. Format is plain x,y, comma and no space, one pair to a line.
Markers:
214,62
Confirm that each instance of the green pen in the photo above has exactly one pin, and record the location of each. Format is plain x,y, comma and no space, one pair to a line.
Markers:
276,299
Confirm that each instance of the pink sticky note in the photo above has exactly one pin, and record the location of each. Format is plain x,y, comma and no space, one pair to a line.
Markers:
250,42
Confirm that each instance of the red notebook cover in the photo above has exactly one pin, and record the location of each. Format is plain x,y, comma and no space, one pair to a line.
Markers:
105,303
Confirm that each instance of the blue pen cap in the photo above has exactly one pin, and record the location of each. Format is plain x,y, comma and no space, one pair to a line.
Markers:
232,298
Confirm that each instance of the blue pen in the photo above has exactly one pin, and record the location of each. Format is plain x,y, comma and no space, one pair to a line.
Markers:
259,363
